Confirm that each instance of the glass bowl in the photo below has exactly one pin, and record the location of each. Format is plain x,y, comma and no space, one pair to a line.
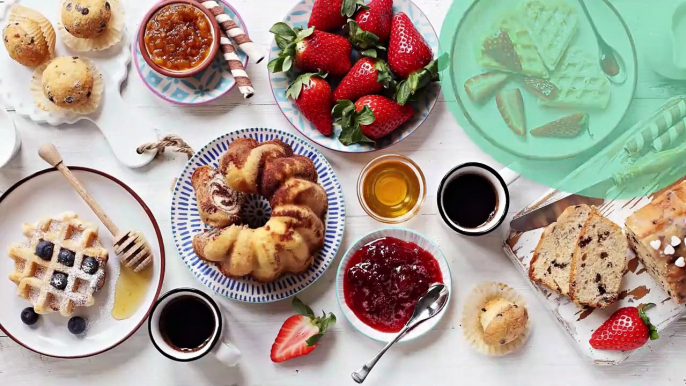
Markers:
392,158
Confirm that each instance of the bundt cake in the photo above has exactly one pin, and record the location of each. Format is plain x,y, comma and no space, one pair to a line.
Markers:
288,242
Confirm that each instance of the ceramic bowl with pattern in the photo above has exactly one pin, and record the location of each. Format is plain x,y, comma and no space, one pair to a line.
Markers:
204,87
186,221
298,17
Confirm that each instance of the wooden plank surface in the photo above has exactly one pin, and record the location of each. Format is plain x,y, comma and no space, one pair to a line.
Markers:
441,357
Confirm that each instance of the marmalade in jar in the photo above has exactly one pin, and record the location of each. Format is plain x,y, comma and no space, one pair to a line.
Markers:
179,37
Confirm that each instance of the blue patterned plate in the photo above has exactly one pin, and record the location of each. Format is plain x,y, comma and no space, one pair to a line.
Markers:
298,17
199,89
186,222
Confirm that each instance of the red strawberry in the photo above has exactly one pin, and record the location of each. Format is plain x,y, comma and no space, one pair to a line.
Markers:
312,95
511,107
499,46
300,333
326,15
372,24
371,117
407,50
310,51
627,329
368,76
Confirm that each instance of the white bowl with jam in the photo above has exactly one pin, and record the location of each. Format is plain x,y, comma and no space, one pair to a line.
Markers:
382,276
391,189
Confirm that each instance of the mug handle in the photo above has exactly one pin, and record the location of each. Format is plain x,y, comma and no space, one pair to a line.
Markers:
509,176
227,353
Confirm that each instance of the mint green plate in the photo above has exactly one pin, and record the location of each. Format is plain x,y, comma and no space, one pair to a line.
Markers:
463,31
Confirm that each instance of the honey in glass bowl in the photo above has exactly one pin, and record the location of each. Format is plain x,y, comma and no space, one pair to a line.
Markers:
391,188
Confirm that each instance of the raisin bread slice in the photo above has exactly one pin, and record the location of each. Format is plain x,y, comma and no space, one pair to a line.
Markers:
551,263
599,263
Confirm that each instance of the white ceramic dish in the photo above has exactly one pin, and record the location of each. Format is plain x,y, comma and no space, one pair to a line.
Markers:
405,235
11,142
46,193
121,125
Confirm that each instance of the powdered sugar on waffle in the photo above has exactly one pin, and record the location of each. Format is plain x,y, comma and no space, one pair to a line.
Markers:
65,231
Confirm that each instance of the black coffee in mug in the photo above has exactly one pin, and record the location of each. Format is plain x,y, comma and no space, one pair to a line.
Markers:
470,200
187,323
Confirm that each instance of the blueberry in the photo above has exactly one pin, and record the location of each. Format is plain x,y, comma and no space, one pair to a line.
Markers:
90,265
59,280
66,257
76,325
44,250
29,316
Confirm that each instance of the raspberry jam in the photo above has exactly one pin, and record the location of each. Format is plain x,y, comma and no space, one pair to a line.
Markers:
385,279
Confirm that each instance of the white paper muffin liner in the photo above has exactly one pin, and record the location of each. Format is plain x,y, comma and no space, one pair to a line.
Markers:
43,103
19,13
108,38
471,326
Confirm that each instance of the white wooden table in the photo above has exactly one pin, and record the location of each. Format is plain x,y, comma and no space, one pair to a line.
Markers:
441,357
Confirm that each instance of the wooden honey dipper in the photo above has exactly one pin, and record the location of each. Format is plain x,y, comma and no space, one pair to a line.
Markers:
130,247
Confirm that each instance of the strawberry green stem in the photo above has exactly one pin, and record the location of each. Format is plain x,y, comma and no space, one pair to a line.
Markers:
641,312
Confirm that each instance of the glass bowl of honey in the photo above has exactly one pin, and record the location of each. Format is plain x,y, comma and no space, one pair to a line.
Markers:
391,188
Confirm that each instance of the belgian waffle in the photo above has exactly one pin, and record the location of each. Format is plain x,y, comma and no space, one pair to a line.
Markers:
552,26
513,23
33,275
580,82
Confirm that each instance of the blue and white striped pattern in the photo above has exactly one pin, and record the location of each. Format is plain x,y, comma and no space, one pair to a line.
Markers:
186,222
298,17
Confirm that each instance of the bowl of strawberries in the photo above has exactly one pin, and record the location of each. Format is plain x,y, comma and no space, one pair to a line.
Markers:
355,77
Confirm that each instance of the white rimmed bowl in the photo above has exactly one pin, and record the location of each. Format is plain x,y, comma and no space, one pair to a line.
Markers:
404,235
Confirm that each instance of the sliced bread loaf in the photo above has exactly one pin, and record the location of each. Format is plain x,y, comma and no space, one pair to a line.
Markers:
599,263
551,263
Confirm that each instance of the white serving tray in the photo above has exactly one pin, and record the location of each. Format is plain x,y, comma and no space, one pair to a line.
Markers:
123,128
638,287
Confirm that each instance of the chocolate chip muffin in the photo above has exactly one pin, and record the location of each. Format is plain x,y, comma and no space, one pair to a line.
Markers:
68,82
86,19
25,43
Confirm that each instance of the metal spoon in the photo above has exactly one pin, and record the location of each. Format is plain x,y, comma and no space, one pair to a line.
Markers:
611,62
428,306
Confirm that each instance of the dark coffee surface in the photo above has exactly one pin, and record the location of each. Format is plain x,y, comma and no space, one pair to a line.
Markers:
187,323
470,200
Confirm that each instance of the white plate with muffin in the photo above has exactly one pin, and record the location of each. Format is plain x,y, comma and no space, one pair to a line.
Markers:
67,60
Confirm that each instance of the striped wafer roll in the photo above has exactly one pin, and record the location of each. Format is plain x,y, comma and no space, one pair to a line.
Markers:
236,67
671,137
657,125
254,51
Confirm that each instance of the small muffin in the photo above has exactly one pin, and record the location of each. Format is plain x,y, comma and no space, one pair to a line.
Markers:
503,321
86,19
25,43
68,82
494,319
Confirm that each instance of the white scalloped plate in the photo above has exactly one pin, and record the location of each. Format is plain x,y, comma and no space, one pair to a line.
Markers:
14,84
123,131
